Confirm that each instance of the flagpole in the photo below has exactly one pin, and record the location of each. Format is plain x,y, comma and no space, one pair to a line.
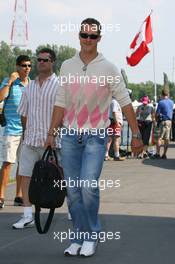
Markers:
154,65
154,72
173,71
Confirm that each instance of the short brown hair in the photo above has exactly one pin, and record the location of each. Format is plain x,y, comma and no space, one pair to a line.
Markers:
22,58
92,21
50,51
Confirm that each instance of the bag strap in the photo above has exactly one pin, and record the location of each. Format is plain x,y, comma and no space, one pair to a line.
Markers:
48,222
46,152
55,156
5,100
50,152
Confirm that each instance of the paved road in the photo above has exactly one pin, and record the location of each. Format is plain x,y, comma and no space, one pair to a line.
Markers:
142,209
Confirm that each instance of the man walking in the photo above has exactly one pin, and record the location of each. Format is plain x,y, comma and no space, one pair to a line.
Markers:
84,104
164,115
116,119
36,108
11,91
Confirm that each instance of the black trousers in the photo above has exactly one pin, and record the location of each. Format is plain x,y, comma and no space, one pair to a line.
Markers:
145,130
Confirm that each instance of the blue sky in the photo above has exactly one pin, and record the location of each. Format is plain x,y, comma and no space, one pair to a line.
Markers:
126,16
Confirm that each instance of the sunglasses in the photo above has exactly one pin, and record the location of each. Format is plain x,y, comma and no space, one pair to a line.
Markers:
42,59
26,65
91,36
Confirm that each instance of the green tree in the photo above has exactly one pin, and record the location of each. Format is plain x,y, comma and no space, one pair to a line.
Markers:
64,53
7,60
8,57
141,89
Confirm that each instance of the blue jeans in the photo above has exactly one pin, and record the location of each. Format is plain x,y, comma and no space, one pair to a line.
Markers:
82,164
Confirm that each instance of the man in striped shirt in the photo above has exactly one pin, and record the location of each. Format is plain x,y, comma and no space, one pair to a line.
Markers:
36,109
10,91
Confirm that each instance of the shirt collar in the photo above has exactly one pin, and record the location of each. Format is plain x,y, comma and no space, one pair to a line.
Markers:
18,82
53,75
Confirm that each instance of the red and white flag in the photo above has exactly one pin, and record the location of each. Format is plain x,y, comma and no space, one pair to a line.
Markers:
139,46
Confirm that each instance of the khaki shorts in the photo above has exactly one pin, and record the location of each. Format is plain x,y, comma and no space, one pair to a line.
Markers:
165,129
29,155
10,148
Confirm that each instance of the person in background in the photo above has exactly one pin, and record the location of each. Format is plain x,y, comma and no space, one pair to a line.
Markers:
11,91
145,115
164,114
36,108
173,126
116,119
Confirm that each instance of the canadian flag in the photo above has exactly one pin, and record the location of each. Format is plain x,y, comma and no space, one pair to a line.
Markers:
139,47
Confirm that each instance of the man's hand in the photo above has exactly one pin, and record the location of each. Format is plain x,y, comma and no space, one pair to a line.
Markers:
50,141
136,146
13,77
5,90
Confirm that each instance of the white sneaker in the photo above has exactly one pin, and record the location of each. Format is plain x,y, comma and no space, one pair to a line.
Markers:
73,250
24,222
88,248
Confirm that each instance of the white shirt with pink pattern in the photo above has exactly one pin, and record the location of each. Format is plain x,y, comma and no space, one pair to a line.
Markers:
85,91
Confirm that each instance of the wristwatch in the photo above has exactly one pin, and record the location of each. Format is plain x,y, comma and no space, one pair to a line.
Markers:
137,135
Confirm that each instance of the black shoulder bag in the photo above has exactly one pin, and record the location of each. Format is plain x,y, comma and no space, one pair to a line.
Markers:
47,187
2,115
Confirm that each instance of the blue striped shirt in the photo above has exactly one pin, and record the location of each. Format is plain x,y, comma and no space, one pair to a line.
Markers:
13,119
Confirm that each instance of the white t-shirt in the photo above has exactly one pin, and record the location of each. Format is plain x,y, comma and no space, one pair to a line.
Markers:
115,107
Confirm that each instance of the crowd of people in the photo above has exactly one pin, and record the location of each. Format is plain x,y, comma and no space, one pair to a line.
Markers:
156,125
156,121
35,109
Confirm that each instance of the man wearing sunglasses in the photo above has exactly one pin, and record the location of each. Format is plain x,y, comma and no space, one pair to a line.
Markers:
36,108
84,106
10,92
